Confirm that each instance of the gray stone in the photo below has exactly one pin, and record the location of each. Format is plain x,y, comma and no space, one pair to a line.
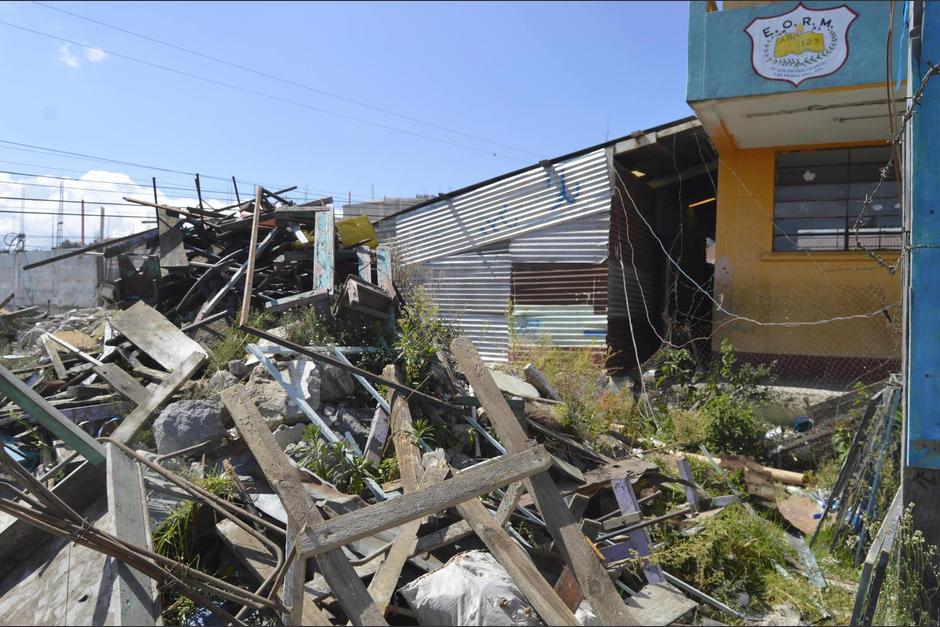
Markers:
222,379
347,421
185,423
239,368
272,401
514,386
285,435
335,384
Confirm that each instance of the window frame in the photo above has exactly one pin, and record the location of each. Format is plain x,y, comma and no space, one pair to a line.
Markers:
847,218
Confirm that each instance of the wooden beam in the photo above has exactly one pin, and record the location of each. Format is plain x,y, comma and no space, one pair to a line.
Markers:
136,602
409,457
150,233
626,501
49,417
299,505
255,557
172,251
252,252
123,383
158,397
470,483
150,331
592,577
385,580
57,365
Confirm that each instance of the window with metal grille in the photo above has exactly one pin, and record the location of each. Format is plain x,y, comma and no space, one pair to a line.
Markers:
819,195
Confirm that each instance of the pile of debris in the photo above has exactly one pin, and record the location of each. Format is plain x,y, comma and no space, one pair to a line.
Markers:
179,477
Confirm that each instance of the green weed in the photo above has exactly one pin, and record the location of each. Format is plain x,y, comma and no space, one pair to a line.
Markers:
420,332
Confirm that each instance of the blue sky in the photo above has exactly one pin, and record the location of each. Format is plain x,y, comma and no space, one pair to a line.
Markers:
542,79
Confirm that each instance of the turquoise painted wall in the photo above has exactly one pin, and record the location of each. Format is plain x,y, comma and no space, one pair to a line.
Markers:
720,50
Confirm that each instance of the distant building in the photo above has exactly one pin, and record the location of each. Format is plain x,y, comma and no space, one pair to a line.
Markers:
378,209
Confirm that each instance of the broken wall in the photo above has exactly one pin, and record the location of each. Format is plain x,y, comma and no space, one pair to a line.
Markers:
68,283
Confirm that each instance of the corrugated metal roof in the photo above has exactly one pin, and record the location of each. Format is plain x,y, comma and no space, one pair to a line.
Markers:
584,240
535,199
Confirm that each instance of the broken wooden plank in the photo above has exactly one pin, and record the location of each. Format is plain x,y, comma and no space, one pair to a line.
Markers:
123,383
409,457
659,604
299,505
147,329
172,251
590,573
57,365
49,417
252,253
324,252
470,483
383,268
136,602
385,581
378,433
255,557
159,396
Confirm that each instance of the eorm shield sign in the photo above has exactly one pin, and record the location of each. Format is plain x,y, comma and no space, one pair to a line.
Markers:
801,44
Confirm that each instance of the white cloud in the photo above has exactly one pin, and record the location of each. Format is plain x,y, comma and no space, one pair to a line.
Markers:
95,55
96,188
65,56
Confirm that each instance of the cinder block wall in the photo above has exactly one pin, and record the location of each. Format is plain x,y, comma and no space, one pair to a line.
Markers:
68,283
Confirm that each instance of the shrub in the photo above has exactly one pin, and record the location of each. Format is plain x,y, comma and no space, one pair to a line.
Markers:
733,427
689,428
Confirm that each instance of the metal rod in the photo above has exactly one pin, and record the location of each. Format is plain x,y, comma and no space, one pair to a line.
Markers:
306,352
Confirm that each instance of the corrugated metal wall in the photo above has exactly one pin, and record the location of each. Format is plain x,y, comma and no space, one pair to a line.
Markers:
540,238
472,292
535,199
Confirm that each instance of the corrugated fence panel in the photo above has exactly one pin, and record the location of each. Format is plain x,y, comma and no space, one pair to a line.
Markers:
472,291
567,326
584,240
560,284
536,199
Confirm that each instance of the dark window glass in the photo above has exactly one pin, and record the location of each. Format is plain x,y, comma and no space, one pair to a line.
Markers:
819,200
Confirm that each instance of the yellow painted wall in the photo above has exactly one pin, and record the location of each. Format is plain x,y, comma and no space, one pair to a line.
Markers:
754,282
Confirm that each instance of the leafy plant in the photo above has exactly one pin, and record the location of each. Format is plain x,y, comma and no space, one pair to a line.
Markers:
232,346
332,462
421,332
733,427
423,430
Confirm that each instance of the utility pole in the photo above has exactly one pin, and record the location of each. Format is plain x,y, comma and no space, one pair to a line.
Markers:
101,227
83,222
921,477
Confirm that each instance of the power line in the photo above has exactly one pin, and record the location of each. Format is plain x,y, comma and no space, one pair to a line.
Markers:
288,81
88,213
73,202
46,151
262,94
